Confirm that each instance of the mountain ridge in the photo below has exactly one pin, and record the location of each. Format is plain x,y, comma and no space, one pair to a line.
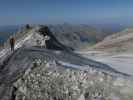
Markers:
119,42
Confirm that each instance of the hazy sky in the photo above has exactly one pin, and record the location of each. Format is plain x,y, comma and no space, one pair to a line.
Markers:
59,11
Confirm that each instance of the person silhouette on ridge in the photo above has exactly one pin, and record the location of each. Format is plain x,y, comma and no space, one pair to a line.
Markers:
12,43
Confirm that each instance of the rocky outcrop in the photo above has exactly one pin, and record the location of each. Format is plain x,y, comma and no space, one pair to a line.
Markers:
53,43
51,81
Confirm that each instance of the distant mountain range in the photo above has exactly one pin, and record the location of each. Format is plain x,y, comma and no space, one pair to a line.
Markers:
7,31
82,35
9,28
77,36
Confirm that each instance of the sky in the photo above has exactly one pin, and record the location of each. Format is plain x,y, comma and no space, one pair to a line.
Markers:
14,12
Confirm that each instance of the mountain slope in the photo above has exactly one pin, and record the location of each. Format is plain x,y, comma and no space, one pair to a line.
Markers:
77,36
119,42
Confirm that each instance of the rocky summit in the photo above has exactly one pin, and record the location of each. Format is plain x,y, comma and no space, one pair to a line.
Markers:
55,72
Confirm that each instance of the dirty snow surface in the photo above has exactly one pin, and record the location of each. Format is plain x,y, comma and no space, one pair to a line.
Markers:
122,62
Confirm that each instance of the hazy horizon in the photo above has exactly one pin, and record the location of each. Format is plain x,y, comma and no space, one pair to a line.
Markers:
16,12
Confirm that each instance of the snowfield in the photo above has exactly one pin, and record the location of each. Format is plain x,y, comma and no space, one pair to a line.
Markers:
121,62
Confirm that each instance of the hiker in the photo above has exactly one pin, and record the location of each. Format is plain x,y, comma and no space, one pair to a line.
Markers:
12,43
